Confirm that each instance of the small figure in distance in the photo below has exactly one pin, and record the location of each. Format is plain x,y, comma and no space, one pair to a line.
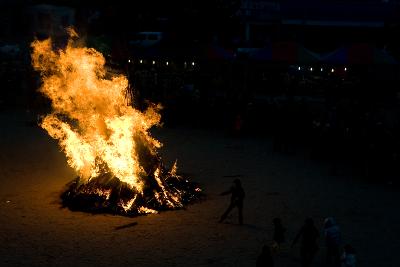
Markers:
265,258
238,125
348,257
279,233
308,249
237,196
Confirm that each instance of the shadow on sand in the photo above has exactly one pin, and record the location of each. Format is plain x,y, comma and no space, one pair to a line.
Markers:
125,226
246,226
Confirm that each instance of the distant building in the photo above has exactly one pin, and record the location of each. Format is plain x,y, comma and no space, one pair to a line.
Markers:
339,20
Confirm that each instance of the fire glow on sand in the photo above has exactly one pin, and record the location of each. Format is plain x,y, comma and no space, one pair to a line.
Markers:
105,139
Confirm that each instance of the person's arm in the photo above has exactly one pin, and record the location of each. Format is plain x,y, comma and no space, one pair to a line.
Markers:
226,192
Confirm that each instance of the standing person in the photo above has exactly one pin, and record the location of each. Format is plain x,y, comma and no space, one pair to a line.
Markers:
332,240
237,196
265,258
279,233
348,257
309,235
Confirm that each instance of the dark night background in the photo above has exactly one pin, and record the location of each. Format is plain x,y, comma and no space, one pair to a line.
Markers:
252,64
318,81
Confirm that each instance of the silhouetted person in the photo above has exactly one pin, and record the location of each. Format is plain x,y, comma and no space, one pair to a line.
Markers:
309,247
348,257
237,196
279,232
238,125
265,258
332,240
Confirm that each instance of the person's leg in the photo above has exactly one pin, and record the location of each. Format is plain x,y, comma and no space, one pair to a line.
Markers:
228,210
312,256
336,256
328,255
240,210
333,255
307,256
304,257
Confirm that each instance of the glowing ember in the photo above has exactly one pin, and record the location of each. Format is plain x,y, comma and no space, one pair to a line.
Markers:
105,140
144,210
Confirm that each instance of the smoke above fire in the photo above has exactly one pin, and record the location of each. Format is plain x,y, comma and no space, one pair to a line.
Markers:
94,125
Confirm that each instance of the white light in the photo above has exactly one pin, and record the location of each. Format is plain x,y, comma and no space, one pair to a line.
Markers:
193,63
311,69
322,69
167,63
129,61
345,69
154,62
141,61
299,68
332,70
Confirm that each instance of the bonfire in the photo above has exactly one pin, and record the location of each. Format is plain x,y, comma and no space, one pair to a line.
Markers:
105,139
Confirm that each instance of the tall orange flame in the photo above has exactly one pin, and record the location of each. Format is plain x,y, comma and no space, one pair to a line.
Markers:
95,127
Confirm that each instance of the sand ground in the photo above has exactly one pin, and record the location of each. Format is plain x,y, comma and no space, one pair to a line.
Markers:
35,231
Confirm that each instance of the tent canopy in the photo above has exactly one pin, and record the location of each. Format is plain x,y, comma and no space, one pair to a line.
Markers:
283,52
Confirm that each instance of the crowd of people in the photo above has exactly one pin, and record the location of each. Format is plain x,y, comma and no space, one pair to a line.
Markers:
362,135
336,255
309,234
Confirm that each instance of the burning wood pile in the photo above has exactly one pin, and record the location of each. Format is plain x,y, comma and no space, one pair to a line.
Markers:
105,140
163,190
